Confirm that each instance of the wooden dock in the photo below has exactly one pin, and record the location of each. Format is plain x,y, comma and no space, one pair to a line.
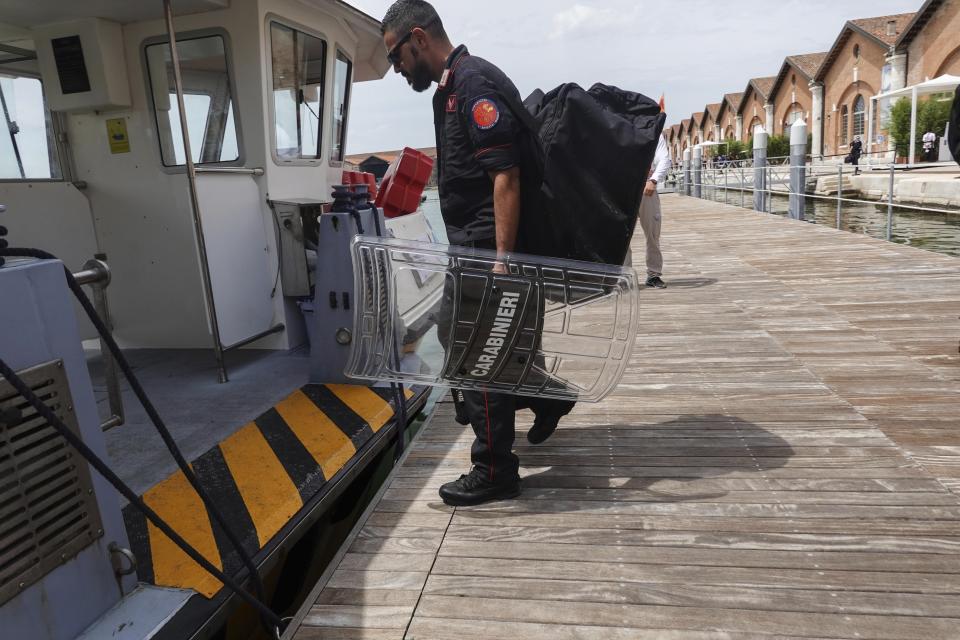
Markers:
781,460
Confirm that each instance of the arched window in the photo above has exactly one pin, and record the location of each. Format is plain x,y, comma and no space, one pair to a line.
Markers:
844,125
794,114
856,51
859,115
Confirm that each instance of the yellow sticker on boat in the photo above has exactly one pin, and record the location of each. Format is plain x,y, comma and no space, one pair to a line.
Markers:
117,135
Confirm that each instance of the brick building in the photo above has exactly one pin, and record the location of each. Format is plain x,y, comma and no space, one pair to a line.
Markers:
696,128
931,41
853,72
792,94
755,110
833,90
731,124
710,127
686,140
674,140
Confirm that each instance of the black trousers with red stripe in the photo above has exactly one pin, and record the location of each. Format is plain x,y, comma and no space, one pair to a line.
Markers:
493,418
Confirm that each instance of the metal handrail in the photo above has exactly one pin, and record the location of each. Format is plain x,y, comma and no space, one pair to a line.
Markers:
96,274
839,198
788,191
253,171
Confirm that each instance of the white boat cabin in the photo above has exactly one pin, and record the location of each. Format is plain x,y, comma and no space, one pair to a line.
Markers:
92,158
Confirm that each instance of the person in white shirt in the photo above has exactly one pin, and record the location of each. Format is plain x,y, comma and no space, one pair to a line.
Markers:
929,146
649,215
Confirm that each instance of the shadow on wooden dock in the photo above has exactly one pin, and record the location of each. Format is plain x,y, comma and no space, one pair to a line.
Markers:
780,460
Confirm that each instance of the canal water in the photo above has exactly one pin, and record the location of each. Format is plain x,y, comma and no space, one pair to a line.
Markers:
938,232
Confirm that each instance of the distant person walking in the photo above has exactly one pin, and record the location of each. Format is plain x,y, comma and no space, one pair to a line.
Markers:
650,215
929,147
856,150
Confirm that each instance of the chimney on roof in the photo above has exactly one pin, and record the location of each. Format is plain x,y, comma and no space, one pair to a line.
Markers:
891,27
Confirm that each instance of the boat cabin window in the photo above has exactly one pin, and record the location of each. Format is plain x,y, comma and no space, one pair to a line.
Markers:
342,71
28,142
207,99
299,63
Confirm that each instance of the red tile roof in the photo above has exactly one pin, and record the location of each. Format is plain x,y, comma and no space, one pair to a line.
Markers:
808,63
734,100
877,27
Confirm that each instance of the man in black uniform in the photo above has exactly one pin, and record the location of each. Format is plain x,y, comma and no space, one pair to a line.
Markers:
480,152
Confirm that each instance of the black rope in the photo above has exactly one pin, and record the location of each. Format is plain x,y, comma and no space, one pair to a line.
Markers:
154,416
101,467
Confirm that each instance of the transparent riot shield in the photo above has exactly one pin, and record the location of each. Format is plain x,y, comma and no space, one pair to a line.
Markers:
451,316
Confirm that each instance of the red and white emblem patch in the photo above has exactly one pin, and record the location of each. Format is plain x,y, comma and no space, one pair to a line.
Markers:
485,114
452,103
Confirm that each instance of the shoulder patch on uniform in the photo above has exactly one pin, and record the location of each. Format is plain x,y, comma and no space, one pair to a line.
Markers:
452,103
485,114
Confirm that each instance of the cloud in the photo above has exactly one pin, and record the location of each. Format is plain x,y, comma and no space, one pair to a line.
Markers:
581,18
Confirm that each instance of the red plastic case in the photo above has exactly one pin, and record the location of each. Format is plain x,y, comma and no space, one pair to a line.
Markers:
404,182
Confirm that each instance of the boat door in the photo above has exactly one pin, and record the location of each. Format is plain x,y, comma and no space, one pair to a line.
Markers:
231,238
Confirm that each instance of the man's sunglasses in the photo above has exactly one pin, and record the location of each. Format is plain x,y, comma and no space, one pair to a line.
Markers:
393,56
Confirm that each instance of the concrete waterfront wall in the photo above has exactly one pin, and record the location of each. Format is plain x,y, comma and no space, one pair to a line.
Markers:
933,190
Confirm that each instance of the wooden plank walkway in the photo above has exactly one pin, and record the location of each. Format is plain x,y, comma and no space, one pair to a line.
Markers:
781,460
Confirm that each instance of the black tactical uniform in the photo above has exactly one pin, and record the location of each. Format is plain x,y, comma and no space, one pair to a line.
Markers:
476,133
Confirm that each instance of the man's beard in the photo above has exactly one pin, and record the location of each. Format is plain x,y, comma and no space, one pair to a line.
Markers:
420,77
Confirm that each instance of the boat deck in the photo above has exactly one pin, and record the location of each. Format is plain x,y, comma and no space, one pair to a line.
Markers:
781,460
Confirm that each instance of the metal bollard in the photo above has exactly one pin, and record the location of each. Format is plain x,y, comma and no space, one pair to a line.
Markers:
743,186
726,185
798,170
759,169
890,205
698,171
686,172
839,192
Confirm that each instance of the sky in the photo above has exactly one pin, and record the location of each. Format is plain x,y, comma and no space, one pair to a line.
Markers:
691,51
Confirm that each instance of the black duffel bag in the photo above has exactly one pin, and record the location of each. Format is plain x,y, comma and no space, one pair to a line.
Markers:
591,155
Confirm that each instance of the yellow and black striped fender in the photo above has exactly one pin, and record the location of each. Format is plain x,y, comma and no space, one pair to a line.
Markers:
260,477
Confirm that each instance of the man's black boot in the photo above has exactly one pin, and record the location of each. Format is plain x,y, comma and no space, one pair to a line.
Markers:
475,488
547,414
657,282
543,427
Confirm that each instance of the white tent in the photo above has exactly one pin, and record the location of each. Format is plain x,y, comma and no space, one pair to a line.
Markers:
941,84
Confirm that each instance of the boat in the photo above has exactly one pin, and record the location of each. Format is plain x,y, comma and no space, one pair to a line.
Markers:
192,181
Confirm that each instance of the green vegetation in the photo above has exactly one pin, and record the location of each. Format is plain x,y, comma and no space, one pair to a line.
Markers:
778,146
736,150
932,115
